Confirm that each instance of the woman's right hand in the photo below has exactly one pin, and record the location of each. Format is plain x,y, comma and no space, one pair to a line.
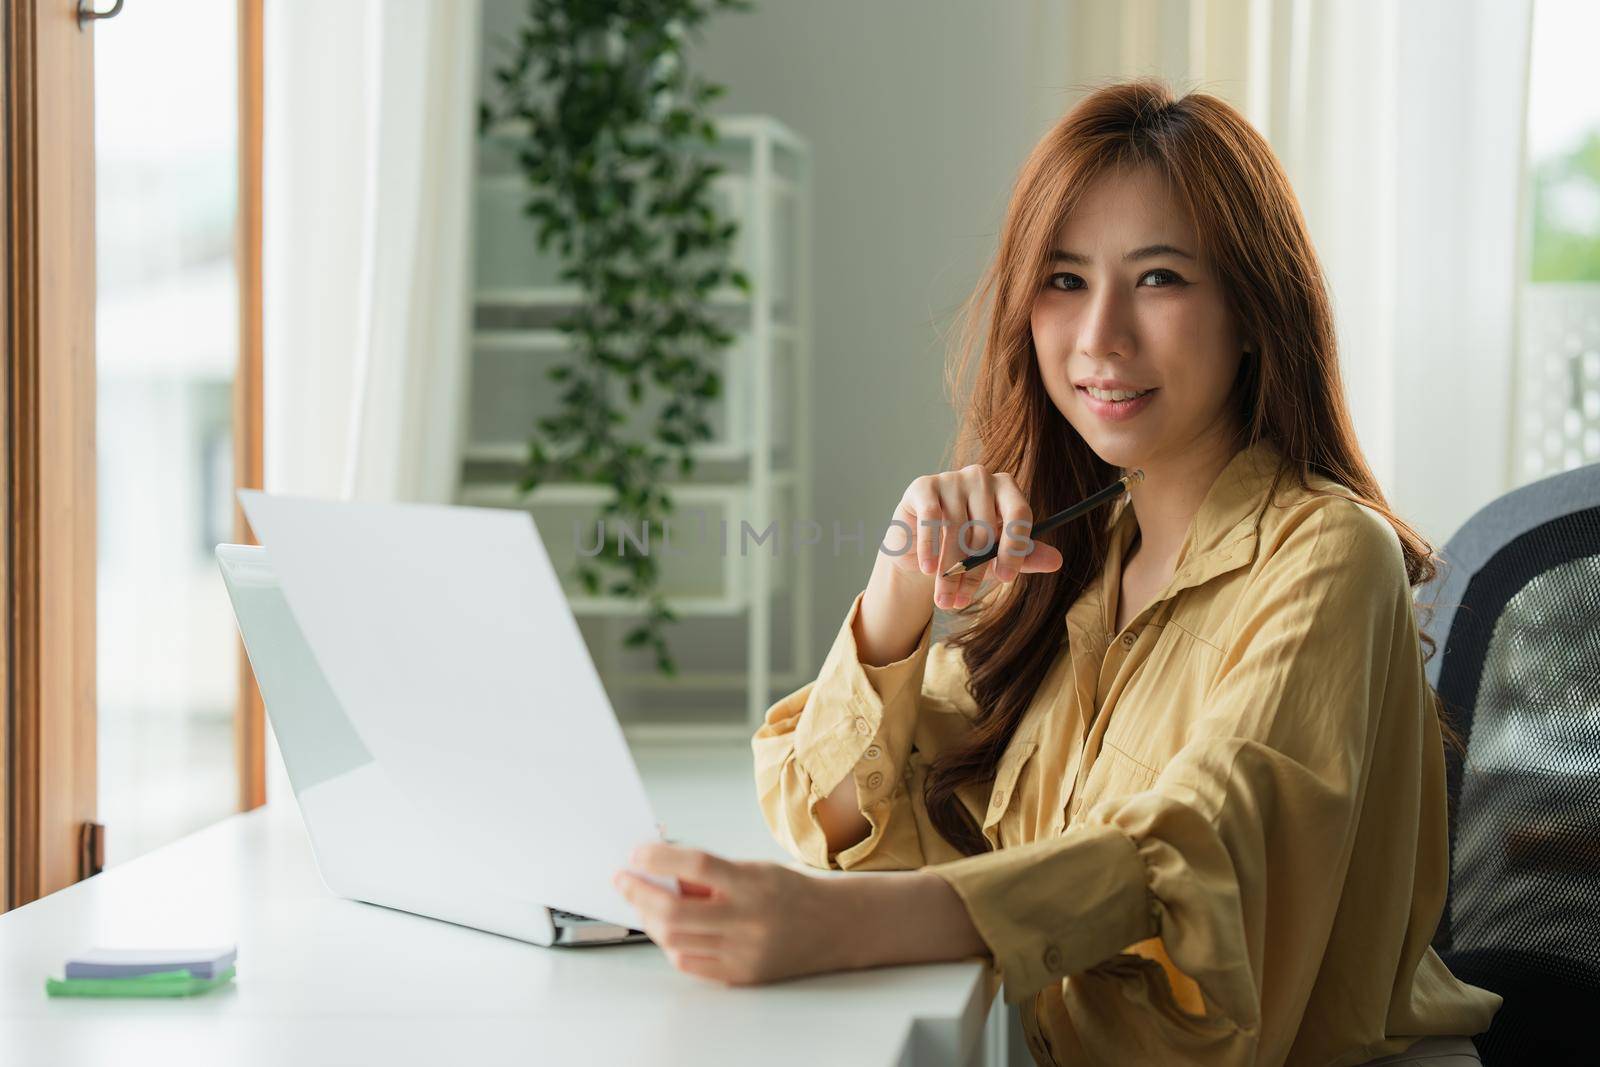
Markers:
933,511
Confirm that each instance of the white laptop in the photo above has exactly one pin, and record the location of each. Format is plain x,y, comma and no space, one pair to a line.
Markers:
449,743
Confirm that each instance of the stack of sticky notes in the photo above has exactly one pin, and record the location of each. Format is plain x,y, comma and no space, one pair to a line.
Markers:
128,972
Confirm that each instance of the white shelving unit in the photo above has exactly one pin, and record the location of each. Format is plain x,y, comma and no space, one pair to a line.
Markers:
756,469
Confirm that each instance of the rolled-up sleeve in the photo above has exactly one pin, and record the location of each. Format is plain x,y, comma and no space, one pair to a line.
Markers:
861,720
1235,856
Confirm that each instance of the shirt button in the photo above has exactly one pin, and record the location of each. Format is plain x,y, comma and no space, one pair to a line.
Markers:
1128,639
999,798
873,751
1052,958
874,780
862,726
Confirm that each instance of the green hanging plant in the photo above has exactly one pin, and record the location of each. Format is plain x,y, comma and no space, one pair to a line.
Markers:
614,122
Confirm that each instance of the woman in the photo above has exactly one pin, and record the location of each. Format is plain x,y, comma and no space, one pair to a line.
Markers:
1181,775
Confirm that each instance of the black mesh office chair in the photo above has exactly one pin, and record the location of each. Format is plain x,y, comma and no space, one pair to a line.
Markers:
1518,623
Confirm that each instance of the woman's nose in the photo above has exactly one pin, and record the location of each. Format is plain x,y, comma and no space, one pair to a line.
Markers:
1104,328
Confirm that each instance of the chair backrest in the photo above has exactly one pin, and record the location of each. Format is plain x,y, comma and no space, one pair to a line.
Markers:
1517,620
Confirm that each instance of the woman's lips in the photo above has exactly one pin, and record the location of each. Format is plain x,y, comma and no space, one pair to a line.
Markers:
1116,410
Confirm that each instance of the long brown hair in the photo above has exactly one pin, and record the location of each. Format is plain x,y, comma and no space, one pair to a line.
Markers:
1289,391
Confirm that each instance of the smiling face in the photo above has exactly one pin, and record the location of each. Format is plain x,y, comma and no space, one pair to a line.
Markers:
1126,307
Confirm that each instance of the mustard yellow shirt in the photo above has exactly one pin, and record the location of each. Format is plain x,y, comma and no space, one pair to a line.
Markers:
1219,834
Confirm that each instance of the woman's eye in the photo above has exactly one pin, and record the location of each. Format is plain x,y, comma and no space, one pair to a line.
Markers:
1071,282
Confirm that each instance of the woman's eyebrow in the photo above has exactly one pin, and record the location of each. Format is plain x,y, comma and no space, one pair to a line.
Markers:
1147,252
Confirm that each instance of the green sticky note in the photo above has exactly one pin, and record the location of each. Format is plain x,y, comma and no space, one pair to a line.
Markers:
160,984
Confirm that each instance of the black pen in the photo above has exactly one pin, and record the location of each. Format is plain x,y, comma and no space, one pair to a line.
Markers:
1089,503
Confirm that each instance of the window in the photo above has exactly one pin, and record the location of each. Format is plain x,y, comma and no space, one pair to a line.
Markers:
167,328
1558,386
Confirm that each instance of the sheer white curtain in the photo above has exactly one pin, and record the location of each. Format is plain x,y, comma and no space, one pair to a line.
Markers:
370,118
1401,128
370,113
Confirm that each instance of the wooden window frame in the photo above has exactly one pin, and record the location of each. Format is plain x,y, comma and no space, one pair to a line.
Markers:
248,458
48,761
49,446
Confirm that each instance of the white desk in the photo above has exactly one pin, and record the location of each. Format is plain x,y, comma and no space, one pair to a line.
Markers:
329,981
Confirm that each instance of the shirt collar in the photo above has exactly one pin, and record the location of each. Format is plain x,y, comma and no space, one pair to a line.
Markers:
1222,535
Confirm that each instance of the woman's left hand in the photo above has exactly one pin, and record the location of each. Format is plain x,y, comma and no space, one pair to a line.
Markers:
740,923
